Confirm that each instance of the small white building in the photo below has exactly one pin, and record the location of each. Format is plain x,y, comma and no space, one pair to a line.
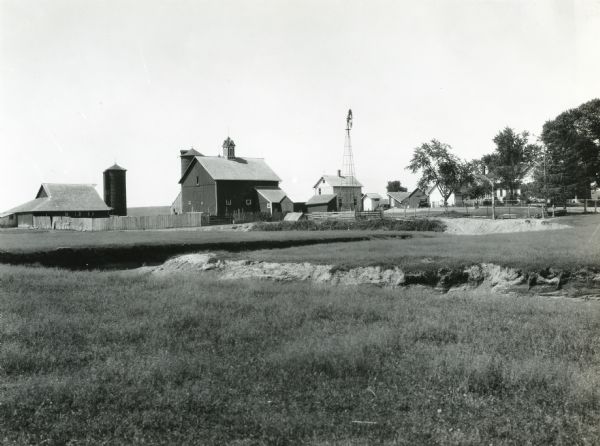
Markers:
371,201
437,201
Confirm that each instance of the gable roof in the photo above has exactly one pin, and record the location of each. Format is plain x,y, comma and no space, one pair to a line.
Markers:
401,196
320,199
339,181
272,194
221,168
398,196
56,197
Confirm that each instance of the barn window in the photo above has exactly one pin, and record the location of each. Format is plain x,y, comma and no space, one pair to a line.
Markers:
248,202
227,202
269,205
197,181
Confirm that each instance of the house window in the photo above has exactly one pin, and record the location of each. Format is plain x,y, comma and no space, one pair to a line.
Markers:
197,181
269,205
319,191
227,202
248,202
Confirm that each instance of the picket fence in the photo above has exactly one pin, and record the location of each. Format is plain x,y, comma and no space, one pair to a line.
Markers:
114,223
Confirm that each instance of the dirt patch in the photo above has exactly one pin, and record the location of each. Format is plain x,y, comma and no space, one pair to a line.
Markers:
476,226
583,283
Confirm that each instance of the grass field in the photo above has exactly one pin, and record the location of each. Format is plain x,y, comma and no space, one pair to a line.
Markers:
572,248
119,358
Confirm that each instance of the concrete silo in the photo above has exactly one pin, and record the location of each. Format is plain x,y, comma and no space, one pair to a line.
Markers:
115,190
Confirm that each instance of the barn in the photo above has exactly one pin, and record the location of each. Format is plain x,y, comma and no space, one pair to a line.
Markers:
222,185
58,200
415,199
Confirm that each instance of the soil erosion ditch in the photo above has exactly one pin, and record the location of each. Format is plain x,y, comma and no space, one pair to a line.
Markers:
134,256
583,283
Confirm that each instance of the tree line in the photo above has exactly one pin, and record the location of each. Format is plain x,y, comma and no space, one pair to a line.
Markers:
563,163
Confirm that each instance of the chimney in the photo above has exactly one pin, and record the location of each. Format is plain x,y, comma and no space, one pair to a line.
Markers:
339,173
229,148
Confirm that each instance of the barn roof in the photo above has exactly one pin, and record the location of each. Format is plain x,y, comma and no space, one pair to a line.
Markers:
339,181
320,199
272,194
221,168
399,196
54,197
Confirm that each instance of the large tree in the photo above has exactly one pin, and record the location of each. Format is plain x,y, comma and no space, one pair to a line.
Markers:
395,186
440,168
572,143
512,159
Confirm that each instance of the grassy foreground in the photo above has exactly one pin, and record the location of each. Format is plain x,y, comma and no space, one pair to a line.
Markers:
90,357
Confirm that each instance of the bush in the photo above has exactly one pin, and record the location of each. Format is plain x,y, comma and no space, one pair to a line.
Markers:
345,225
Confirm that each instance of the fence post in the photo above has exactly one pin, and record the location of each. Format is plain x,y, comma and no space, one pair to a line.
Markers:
595,206
528,210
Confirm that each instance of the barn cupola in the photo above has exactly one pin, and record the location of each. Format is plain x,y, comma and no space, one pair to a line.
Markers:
229,148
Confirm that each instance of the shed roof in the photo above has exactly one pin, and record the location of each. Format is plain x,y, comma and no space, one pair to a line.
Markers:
372,196
55,197
320,199
272,194
221,168
339,181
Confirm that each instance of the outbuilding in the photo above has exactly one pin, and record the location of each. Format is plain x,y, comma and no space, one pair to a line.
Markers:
322,203
415,199
58,200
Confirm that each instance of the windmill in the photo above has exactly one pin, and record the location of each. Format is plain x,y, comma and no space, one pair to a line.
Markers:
348,199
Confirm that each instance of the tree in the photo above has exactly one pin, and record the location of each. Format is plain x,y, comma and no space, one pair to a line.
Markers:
512,159
395,186
439,168
572,141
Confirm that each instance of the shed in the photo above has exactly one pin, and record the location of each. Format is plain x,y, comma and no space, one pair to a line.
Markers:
322,203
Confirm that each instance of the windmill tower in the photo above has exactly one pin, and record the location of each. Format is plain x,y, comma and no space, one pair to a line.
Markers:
349,182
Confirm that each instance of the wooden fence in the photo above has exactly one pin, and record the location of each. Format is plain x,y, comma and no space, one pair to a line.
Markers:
187,220
345,215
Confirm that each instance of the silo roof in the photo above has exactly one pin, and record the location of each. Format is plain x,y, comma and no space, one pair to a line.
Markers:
115,167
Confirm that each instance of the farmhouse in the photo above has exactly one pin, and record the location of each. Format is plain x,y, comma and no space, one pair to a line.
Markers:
222,185
437,201
347,188
416,198
57,200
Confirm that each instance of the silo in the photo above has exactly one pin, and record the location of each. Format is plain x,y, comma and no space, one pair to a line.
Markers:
187,156
115,190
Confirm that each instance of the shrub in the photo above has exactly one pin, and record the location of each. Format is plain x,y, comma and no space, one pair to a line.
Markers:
345,225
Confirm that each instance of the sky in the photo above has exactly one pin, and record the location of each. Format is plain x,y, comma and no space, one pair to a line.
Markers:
86,83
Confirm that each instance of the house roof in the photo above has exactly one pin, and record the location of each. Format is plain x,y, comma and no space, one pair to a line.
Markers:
339,181
53,197
320,199
221,168
272,194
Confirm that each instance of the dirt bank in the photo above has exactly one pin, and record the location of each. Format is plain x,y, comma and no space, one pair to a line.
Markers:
584,283
476,226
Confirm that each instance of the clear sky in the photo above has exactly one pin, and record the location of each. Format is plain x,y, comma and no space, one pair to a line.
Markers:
85,83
